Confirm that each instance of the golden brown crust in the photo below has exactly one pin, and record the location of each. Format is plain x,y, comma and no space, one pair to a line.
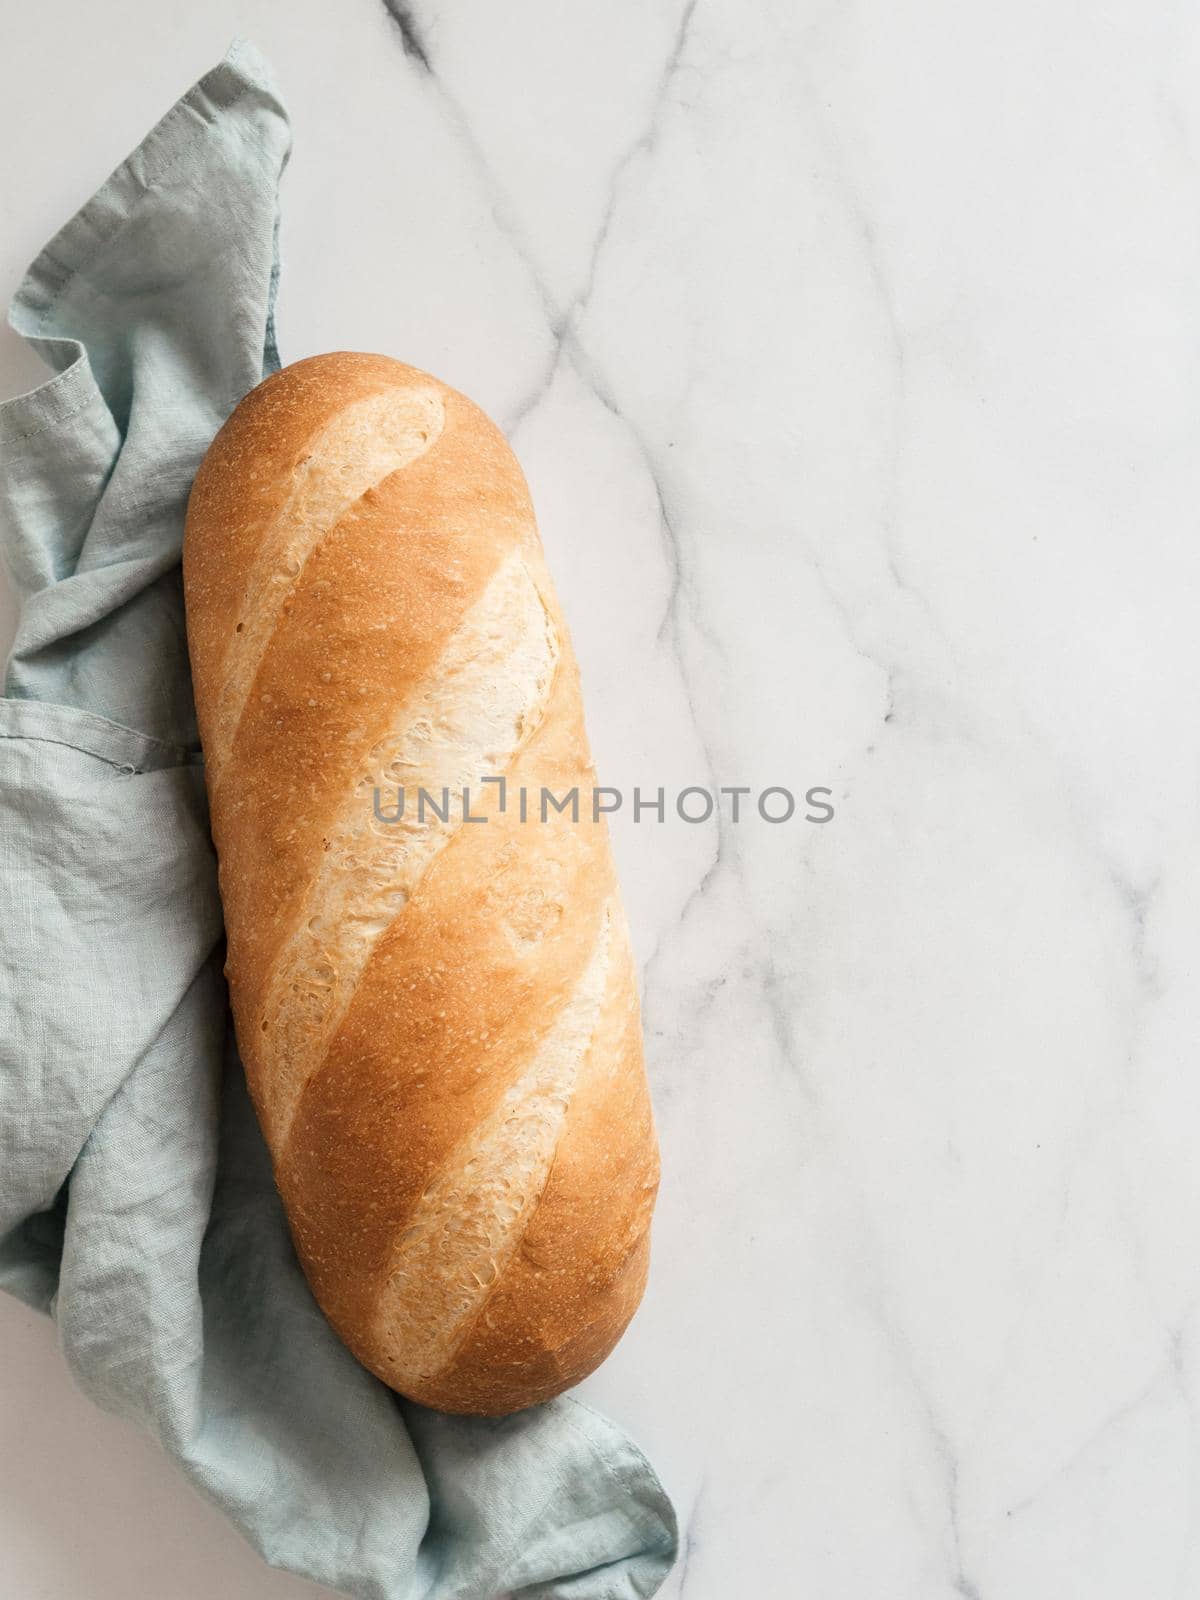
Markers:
578,1276
447,973
466,1029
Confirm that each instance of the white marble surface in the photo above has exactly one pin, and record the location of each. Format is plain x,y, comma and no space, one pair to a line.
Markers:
853,352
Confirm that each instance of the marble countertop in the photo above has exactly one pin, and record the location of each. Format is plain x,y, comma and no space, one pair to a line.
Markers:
853,354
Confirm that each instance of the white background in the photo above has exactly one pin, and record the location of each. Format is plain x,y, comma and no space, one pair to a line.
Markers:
870,457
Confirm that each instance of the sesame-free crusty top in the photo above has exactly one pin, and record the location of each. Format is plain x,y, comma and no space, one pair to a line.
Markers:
438,1017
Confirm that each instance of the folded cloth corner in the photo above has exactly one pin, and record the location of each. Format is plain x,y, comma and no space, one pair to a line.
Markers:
136,1198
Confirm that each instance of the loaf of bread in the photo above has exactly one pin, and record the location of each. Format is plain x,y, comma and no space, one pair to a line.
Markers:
437,1011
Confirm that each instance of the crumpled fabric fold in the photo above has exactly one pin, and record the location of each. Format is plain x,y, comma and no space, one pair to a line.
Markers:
136,1200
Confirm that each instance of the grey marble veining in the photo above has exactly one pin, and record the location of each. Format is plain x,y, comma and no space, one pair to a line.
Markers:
852,354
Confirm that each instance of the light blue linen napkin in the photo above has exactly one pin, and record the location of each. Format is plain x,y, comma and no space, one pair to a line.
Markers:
136,1200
